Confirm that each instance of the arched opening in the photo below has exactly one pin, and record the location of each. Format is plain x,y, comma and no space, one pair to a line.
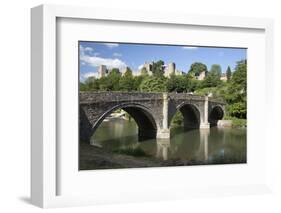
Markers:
111,139
188,116
129,116
216,114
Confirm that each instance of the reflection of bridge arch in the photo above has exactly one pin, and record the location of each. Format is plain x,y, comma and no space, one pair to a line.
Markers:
147,126
216,113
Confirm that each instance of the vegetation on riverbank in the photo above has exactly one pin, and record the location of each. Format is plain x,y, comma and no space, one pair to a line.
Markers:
237,122
136,152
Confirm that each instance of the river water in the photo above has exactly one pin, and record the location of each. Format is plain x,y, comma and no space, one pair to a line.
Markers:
213,146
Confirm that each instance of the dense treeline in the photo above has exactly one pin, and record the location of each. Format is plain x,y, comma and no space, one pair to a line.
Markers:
233,91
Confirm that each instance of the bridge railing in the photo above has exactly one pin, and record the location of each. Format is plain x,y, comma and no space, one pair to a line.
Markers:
105,96
93,97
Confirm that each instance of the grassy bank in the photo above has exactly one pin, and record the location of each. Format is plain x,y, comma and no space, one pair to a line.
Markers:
237,122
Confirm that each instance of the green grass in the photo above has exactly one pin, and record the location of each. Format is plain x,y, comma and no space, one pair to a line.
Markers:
136,152
237,122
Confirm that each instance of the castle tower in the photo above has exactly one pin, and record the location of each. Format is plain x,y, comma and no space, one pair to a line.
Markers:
170,70
148,67
102,71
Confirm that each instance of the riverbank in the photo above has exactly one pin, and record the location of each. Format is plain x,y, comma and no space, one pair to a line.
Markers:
92,157
237,122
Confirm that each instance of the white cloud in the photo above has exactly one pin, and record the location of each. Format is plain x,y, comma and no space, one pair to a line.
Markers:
89,74
86,75
140,66
111,45
117,54
88,49
96,61
190,48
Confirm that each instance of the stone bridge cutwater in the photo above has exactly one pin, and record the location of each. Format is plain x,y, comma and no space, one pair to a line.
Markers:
153,112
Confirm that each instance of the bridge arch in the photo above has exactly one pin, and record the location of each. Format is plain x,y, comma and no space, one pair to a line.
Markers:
216,113
191,115
147,125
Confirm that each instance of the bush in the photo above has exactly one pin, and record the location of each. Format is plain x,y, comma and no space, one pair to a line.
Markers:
153,84
136,152
177,119
237,122
238,110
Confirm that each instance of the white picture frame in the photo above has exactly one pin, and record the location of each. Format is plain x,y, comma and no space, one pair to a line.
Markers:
44,148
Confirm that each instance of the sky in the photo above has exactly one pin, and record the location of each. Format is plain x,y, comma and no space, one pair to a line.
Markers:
121,55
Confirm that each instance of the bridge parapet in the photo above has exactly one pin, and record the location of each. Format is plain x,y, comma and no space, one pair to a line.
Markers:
185,96
98,97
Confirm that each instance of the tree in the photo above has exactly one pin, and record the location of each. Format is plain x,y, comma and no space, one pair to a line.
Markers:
196,68
157,68
137,82
92,83
213,77
228,73
83,87
238,110
237,91
176,84
110,82
153,84
236,95
115,71
239,77
126,82
216,70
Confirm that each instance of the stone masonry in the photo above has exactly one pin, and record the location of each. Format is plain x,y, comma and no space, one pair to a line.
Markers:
153,112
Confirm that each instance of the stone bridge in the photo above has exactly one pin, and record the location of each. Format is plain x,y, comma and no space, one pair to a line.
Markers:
153,112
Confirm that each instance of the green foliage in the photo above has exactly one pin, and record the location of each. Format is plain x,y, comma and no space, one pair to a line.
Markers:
137,82
238,110
237,90
182,83
83,87
196,68
177,84
153,84
158,68
126,82
228,73
110,82
213,77
216,69
91,83
177,119
237,122
144,71
136,152
114,71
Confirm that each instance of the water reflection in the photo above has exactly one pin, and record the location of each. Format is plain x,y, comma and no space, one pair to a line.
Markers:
206,146
163,146
165,152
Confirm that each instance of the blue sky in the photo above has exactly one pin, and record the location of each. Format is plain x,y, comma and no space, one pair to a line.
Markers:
120,55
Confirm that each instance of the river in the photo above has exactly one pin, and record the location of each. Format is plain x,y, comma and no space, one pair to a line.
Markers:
197,147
